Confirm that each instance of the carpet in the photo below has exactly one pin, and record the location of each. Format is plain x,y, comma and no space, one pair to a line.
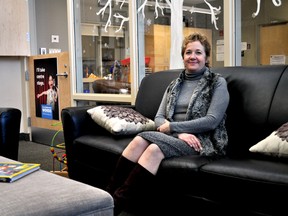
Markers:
32,152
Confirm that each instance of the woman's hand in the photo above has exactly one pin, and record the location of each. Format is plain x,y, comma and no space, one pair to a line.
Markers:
191,140
165,127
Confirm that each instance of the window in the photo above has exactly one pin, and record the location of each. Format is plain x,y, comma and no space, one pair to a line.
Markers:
264,38
156,34
101,47
102,51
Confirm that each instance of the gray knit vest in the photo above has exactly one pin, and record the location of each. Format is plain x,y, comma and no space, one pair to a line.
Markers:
213,142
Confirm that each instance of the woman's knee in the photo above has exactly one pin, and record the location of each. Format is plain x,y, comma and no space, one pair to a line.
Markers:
138,144
155,151
139,141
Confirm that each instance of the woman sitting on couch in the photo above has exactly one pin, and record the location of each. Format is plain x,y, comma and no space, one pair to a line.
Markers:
190,121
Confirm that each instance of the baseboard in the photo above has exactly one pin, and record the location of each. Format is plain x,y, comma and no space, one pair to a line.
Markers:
45,136
24,136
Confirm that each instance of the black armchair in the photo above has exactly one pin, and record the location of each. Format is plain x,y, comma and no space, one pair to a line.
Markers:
10,119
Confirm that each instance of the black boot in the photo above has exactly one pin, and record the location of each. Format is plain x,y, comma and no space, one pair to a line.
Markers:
129,195
122,171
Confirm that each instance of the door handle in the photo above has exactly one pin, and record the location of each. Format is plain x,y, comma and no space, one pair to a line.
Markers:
65,74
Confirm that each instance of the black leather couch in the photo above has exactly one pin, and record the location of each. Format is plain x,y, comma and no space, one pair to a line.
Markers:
10,120
243,183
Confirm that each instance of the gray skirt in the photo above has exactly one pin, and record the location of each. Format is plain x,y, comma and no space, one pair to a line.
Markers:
169,145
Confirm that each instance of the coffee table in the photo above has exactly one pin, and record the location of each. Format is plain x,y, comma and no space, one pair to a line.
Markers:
44,193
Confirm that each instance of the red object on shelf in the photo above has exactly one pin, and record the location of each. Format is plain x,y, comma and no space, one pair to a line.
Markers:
127,61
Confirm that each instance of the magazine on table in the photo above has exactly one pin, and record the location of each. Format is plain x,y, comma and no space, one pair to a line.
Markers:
12,171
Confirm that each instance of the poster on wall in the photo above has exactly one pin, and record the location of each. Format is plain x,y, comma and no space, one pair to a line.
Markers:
46,88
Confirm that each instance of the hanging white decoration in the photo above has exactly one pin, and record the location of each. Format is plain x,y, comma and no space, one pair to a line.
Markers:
116,15
214,12
122,2
124,19
102,12
276,3
158,6
142,8
156,9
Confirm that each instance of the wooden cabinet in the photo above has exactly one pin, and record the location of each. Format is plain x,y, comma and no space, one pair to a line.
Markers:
157,45
14,28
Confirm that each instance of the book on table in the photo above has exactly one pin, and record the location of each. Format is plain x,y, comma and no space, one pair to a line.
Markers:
12,171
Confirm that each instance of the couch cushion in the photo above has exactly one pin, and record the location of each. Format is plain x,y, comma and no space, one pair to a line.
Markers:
258,185
181,169
87,146
180,175
249,169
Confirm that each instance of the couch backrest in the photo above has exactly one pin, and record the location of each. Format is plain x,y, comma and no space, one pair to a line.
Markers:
151,90
255,95
258,101
279,107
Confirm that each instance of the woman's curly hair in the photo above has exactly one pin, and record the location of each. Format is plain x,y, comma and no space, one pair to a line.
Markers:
197,37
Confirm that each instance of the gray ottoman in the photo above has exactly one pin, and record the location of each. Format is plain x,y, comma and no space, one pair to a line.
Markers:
43,193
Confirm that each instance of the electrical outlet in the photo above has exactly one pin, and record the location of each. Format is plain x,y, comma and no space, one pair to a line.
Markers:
55,38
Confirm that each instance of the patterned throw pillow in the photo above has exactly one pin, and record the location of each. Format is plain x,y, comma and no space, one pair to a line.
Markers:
276,144
120,120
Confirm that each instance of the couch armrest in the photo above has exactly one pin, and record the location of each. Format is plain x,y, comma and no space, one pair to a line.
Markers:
77,122
10,120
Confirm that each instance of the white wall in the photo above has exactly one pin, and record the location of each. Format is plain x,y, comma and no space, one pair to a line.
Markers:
12,86
51,19
46,18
